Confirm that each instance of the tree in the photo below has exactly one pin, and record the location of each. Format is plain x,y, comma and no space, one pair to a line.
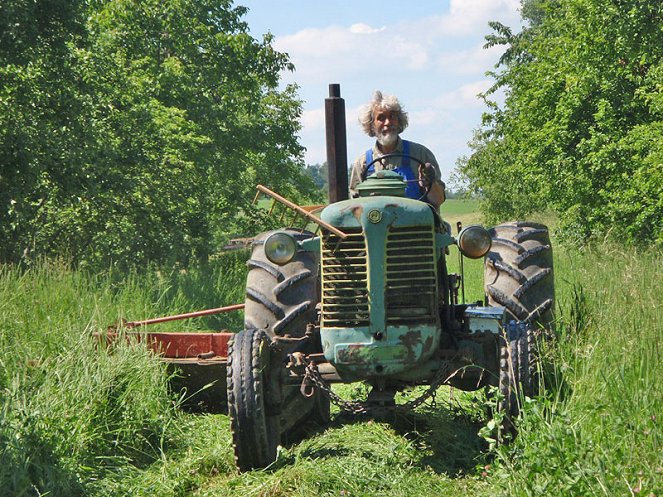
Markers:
165,118
319,175
40,103
580,130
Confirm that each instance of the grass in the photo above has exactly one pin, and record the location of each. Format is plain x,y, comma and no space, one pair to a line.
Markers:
598,432
77,420
464,210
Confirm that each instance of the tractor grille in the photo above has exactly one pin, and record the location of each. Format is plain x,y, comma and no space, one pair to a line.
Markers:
345,281
411,278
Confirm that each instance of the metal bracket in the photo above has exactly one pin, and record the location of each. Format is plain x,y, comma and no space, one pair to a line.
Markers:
300,212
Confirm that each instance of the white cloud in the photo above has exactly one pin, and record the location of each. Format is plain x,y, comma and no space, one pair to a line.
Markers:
357,49
313,119
415,54
429,43
474,61
424,117
468,17
462,97
362,28
436,65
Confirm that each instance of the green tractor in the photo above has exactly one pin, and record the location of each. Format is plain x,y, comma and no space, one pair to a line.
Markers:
370,299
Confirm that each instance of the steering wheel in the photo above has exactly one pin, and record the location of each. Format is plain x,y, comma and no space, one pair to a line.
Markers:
388,156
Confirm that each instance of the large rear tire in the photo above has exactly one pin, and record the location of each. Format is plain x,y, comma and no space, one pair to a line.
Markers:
253,400
518,272
281,299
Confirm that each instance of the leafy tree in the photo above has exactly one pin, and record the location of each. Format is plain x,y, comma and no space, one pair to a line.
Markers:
581,127
319,175
39,105
136,131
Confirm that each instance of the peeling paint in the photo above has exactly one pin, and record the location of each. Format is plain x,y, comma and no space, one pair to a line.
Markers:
410,340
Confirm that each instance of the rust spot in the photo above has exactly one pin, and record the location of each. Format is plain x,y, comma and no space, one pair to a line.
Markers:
410,340
357,211
354,354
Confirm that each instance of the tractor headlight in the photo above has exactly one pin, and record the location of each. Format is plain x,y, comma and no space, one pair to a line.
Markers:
280,248
474,241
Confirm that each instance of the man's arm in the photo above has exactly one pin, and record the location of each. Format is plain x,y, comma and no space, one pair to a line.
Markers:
355,175
436,188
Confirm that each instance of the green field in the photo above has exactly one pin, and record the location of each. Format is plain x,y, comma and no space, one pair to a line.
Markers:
453,208
77,420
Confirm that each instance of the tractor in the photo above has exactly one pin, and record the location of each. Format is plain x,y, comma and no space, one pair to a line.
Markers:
367,297
362,293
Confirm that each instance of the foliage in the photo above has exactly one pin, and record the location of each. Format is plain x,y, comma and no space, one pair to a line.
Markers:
582,124
76,419
598,431
319,175
136,131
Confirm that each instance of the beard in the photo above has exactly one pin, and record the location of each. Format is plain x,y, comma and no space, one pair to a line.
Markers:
387,138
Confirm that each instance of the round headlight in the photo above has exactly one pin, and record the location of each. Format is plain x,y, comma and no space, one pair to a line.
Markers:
474,241
280,248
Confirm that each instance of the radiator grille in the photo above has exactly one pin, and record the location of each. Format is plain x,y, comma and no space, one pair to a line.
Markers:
345,281
411,277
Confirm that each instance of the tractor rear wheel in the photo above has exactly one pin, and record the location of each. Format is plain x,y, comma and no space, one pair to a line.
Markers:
253,400
518,374
281,299
518,272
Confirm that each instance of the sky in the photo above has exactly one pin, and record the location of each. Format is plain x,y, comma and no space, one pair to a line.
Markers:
429,53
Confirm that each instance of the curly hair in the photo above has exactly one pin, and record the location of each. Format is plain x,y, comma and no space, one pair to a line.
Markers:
381,102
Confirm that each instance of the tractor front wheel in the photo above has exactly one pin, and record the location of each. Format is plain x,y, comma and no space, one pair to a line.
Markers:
253,400
517,371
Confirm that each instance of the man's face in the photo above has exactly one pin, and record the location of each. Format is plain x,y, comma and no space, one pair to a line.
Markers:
385,124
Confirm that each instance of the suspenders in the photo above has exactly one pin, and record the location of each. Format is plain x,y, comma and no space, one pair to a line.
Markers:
412,189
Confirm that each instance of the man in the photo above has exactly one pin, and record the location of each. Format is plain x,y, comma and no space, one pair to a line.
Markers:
384,118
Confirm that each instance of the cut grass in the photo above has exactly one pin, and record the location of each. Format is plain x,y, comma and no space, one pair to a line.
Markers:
76,420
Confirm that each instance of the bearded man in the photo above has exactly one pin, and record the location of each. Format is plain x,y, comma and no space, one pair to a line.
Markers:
384,118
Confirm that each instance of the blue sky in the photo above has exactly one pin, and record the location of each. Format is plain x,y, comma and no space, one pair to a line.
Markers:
428,53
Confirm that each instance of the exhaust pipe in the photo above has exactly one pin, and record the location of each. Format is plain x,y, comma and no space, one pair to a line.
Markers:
337,155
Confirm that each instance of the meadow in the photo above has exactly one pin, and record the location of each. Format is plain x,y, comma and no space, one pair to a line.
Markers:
76,419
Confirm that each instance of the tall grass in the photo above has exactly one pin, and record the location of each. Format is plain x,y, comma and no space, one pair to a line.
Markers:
74,417
598,431
78,420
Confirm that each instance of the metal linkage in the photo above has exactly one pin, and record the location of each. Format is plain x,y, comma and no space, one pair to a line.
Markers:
189,315
313,378
300,211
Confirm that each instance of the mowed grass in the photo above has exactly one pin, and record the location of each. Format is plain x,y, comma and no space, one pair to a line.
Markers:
76,419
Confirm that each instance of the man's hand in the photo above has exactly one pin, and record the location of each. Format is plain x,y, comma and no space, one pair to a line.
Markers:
426,175
434,188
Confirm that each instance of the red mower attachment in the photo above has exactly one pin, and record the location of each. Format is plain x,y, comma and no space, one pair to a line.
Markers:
198,358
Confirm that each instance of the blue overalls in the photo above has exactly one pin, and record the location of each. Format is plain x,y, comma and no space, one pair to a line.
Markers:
412,189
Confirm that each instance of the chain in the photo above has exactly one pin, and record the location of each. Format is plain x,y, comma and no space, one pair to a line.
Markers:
312,378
